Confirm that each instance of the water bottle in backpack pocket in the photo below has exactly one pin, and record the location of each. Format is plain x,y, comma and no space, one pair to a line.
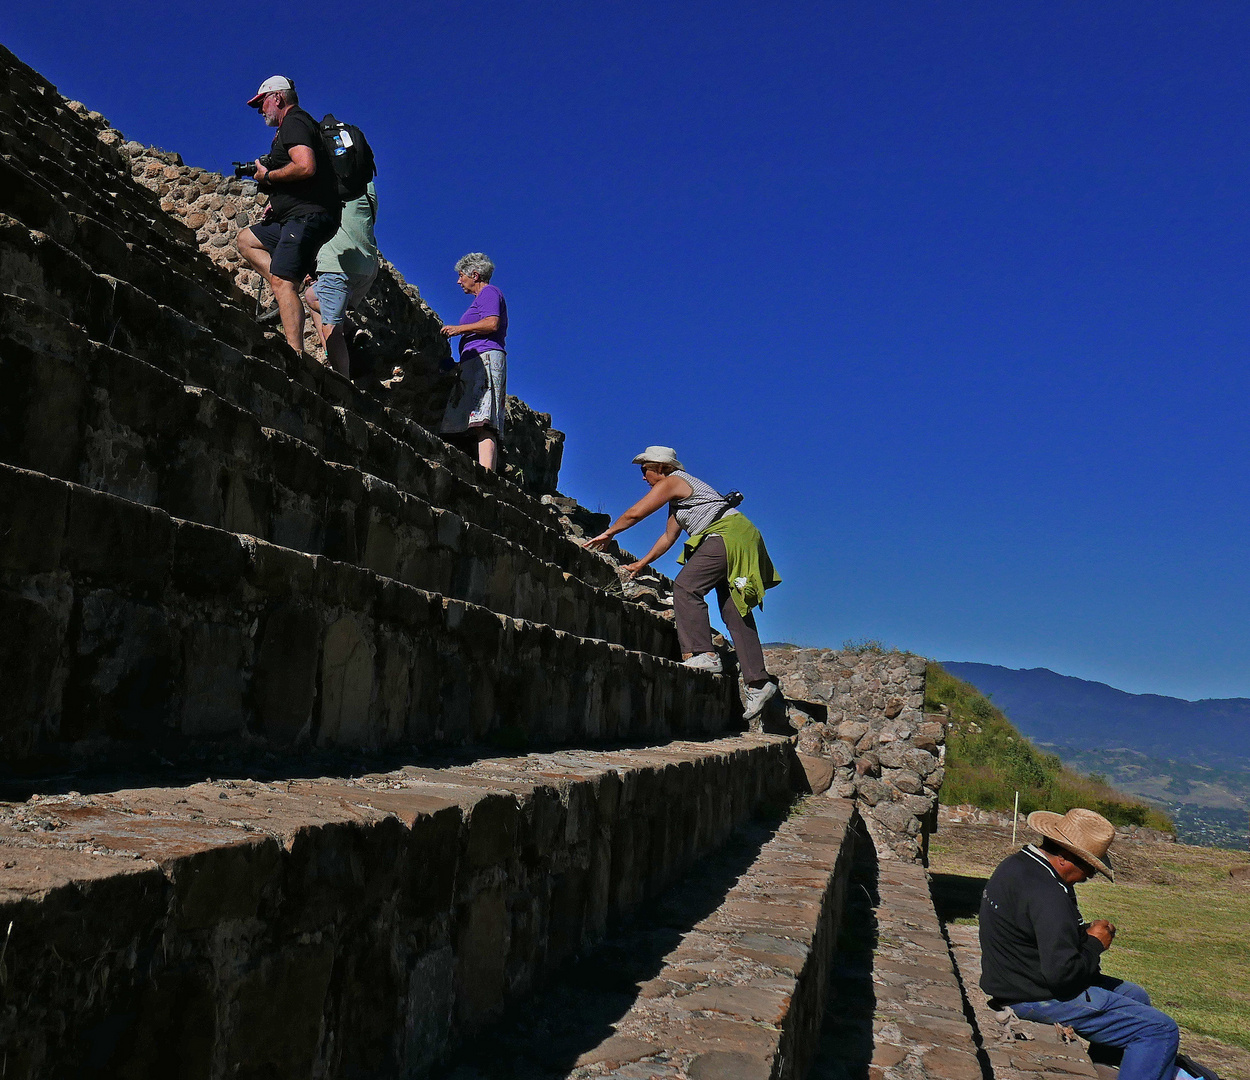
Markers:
352,155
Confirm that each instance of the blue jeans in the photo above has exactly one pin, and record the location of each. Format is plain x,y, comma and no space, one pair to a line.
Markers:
338,293
1119,1014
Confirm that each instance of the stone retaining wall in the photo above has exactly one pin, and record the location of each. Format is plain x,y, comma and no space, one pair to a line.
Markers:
336,928
876,743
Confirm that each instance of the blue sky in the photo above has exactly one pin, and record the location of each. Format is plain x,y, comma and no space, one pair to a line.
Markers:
955,293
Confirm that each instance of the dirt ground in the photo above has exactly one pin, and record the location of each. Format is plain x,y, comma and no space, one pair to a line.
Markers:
962,856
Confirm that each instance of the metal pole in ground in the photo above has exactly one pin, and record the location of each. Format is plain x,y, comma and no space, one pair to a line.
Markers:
1015,818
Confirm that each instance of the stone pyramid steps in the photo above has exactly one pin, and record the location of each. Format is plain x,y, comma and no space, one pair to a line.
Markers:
723,976
156,266
131,630
185,281
302,399
45,141
81,411
210,544
338,927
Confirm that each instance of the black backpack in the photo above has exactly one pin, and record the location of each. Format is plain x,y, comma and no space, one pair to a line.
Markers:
1194,1069
352,156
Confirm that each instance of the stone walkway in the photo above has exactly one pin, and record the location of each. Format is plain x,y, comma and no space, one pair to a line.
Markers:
896,1011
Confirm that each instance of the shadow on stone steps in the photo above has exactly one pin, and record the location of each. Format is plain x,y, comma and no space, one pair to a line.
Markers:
846,1043
576,1010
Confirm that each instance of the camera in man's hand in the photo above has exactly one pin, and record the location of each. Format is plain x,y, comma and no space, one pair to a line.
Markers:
244,169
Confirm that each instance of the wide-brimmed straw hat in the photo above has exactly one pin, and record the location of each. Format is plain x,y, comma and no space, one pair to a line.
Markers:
658,455
1084,833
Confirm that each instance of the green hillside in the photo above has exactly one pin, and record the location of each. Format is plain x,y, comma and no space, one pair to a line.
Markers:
988,761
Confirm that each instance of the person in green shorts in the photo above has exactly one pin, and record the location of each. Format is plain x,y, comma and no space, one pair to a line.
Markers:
347,265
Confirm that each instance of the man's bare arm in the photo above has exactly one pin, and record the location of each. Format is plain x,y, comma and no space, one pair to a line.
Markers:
302,165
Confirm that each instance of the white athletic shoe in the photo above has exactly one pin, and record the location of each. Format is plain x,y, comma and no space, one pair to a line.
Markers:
704,661
757,698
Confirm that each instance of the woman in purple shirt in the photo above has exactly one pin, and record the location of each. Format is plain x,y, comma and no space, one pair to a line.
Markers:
477,404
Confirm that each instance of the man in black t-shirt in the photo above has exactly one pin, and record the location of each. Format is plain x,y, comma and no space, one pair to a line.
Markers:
304,206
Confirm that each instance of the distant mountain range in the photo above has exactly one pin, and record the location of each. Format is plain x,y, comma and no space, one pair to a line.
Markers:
1083,715
1190,757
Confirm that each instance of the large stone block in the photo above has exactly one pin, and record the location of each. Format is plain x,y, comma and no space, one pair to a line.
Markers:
481,943
277,1014
213,662
207,561
32,521
284,683
347,656
110,539
35,623
123,674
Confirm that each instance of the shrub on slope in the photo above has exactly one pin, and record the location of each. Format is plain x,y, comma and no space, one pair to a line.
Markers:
988,761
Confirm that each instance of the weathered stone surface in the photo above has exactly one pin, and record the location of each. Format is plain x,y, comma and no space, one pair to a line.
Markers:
283,646
414,898
875,729
1015,1047
730,1000
819,773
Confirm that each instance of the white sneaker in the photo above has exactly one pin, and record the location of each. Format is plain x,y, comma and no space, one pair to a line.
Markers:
757,698
704,661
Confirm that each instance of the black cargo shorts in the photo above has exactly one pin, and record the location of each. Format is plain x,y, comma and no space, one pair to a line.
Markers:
293,245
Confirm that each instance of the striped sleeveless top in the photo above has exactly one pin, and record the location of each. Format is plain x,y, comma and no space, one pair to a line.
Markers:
697,512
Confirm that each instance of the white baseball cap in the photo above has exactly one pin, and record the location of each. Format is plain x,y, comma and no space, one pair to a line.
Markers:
269,86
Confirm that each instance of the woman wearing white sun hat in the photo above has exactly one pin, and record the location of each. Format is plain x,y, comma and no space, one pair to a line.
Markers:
725,552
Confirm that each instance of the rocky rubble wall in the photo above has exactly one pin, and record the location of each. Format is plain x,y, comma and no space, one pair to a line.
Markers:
335,928
870,736
396,340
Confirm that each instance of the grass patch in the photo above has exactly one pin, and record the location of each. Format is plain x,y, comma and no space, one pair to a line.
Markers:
1186,945
988,761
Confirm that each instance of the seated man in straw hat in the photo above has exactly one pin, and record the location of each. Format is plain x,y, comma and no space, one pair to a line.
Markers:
1039,956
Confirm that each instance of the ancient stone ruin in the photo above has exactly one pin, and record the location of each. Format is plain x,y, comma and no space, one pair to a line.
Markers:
325,751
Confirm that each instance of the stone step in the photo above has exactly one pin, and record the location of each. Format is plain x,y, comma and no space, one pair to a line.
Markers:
116,239
724,976
42,134
167,269
341,927
132,631
303,399
80,411
1015,1049
896,1007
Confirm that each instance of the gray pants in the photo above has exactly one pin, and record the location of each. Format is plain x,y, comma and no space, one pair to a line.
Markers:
705,570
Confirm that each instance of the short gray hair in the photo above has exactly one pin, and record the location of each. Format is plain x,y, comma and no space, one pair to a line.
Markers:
476,263
289,97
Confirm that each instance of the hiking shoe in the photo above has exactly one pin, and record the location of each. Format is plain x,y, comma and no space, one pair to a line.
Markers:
757,698
704,661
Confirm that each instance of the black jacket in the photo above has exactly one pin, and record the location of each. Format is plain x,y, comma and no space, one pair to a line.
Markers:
1033,941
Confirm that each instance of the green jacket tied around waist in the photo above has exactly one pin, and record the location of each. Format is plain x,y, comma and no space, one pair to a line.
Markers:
750,570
